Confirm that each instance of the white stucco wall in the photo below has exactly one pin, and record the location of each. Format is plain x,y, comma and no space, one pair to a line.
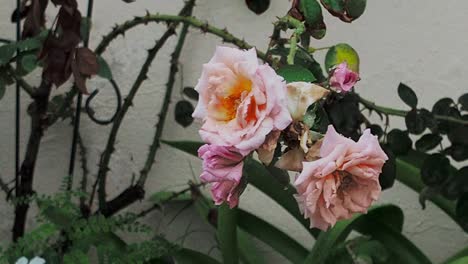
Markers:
422,43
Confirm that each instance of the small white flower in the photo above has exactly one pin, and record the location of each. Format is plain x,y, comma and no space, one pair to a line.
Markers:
36,260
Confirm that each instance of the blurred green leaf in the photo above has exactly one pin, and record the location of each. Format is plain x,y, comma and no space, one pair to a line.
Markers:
340,53
408,173
383,223
407,95
188,256
460,254
296,73
272,236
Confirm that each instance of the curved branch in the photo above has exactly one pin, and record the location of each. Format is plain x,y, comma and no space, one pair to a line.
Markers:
192,21
136,191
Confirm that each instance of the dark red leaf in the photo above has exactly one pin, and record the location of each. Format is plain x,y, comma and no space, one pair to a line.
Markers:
57,66
80,80
87,61
69,19
35,18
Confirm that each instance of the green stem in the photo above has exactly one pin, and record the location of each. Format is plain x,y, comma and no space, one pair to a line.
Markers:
299,28
174,68
312,49
227,233
192,21
402,113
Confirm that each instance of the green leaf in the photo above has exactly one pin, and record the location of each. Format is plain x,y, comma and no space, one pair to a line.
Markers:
296,73
404,251
414,122
29,62
302,58
313,18
191,93
340,53
428,142
407,95
272,236
399,141
388,216
463,101
356,8
227,233
75,257
435,170
258,6
460,254
388,175
248,251
408,173
259,177
183,113
462,260
347,11
6,53
104,69
188,256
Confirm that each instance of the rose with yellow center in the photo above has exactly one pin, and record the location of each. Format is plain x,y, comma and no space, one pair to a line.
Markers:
240,101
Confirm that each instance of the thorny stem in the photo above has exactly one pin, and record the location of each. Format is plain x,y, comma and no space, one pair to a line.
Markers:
38,124
165,106
84,168
107,208
192,21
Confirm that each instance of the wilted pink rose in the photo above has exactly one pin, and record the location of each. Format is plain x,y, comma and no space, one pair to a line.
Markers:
343,79
240,100
344,181
222,167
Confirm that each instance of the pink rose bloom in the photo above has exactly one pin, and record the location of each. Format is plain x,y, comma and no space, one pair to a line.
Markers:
240,100
222,167
343,79
344,181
